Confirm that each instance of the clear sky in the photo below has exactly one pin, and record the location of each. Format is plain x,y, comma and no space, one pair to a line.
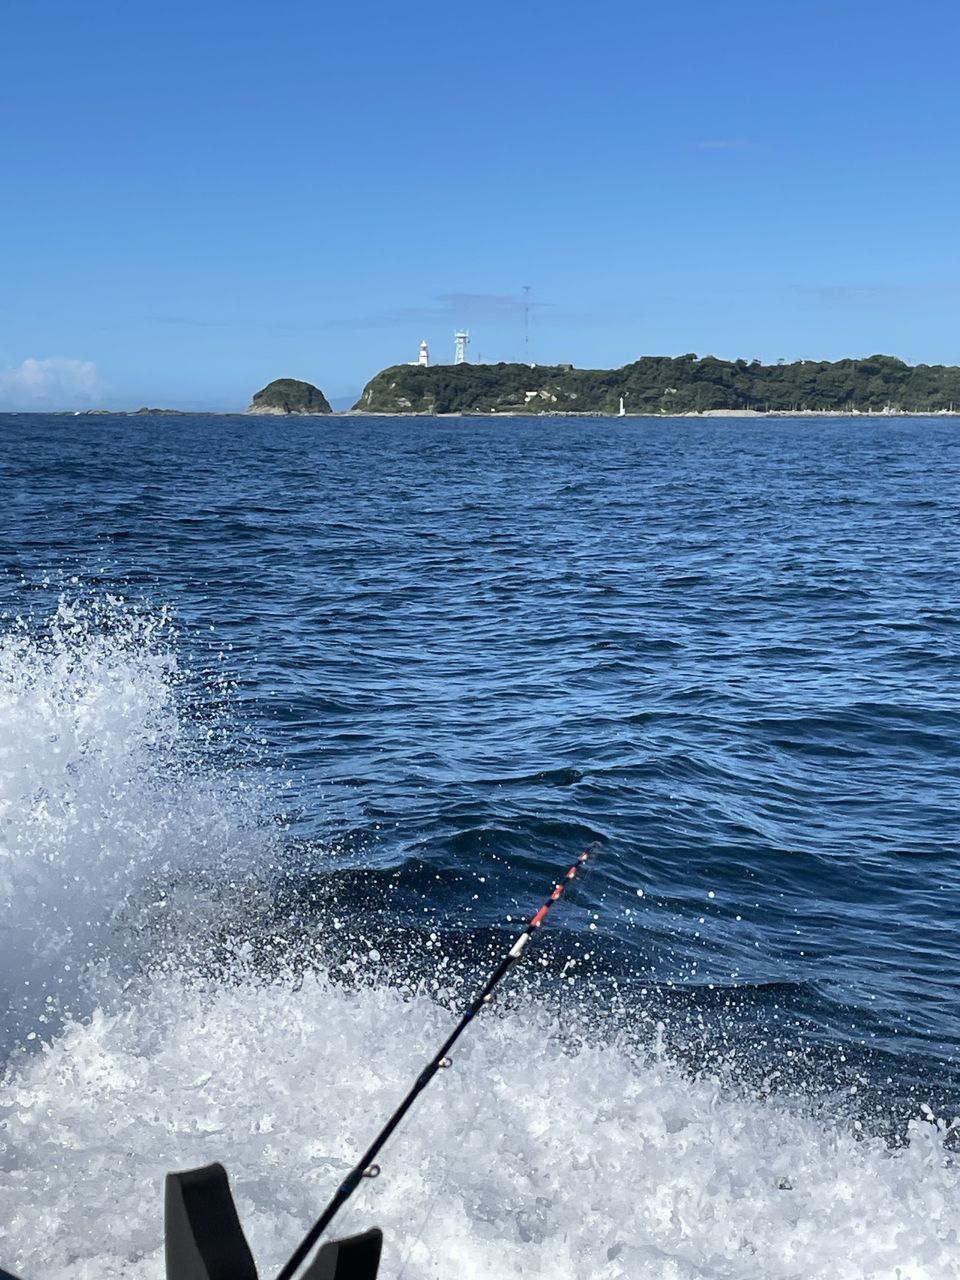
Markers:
199,197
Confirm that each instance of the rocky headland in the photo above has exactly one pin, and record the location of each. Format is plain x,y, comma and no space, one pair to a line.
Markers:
667,385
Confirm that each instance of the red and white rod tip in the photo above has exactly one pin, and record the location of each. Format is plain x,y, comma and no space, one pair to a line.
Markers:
558,891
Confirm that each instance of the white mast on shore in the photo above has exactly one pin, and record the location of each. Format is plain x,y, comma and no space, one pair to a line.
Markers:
461,338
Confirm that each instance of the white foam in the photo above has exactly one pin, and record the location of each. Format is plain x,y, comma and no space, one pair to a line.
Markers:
103,794
523,1160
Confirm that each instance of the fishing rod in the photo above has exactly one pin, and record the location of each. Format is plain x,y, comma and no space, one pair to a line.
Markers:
366,1166
203,1238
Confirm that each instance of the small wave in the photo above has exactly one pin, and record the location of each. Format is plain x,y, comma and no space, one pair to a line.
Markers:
546,777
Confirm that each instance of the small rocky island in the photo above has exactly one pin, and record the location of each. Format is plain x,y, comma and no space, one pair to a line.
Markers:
288,395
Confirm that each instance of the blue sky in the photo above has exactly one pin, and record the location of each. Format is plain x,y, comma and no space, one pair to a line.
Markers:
200,197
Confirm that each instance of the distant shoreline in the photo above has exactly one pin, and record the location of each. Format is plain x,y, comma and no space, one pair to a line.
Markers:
661,417
884,414
669,386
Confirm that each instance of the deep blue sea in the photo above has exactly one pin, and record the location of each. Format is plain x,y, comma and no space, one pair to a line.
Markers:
300,719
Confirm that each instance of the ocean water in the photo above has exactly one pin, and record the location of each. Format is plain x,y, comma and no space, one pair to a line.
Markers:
300,720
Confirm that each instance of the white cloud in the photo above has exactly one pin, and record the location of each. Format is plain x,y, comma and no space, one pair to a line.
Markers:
55,382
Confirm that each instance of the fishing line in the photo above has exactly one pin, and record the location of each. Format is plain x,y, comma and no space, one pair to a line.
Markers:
432,1204
366,1167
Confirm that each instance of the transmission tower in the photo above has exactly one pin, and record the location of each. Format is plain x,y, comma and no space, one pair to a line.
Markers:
526,324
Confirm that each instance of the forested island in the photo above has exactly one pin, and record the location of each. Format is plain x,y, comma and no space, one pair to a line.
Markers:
667,385
289,395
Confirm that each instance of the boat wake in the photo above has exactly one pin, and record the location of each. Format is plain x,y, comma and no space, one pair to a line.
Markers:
158,1016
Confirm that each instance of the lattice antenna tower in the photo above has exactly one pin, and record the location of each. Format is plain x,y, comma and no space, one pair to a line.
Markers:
526,324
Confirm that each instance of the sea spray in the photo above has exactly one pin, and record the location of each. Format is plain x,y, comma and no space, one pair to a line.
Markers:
111,821
366,1166
642,1173
178,1017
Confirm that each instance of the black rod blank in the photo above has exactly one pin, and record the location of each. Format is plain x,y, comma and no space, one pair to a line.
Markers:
366,1165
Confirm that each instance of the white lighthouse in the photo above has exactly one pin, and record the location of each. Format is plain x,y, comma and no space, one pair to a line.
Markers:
424,354
461,338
